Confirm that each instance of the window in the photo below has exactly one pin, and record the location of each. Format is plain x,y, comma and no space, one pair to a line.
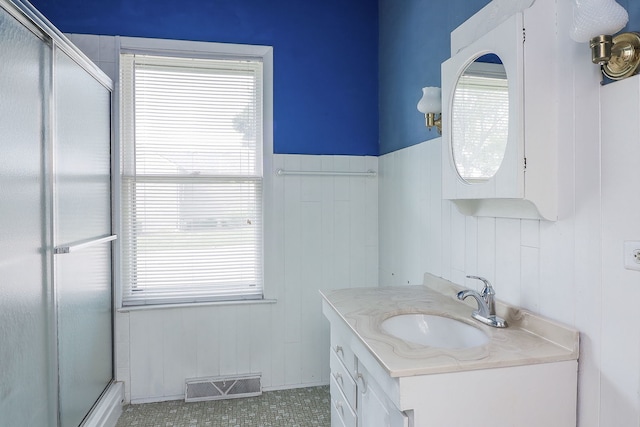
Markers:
192,184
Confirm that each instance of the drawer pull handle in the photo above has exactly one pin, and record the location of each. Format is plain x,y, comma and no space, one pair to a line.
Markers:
339,407
338,377
339,350
360,378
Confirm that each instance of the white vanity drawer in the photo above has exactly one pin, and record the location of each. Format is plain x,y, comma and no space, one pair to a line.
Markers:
340,345
343,378
341,413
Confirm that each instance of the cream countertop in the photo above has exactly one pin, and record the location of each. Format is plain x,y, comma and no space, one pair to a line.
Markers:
529,339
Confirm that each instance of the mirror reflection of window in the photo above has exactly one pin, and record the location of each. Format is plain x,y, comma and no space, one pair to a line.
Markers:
480,119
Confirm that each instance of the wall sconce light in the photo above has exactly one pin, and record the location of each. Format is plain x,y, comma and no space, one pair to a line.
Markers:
431,106
594,21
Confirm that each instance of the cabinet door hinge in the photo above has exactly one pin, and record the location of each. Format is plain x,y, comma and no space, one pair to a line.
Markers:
525,163
524,35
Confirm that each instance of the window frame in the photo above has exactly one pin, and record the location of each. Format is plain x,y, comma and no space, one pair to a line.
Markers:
200,50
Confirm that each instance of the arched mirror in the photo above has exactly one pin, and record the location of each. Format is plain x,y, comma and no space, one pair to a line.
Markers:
480,119
482,116
494,136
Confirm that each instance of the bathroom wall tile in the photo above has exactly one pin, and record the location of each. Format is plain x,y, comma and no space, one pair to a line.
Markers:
310,186
227,335
274,233
311,250
324,342
293,364
246,318
487,248
388,207
179,346
530,233
407,211
507,282
259,336
122,340
357,163
277,347
529,278
385,216
371,203
147,354
341,183
447,238
422,190
557,292
357,228
328,235
471,248
327,163
207,326
458,244
313,344
371,261
342,248
435,231
292,251
122,328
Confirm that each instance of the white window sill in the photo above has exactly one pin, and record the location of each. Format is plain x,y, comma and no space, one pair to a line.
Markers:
195,304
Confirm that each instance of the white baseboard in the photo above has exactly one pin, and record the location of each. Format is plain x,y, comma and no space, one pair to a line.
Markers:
108,409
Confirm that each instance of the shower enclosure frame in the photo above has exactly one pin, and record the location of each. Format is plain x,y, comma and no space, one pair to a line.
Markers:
108,406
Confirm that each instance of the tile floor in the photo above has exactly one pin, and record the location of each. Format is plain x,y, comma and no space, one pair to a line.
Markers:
301,407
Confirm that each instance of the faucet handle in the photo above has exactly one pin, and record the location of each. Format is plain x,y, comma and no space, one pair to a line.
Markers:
488,289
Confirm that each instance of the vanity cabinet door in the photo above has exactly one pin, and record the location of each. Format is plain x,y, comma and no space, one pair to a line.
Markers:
374,410
341,348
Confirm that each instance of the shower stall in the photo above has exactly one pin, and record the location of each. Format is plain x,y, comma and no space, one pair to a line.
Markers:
56,293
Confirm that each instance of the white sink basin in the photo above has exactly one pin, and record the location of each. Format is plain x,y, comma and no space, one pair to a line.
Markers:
434,331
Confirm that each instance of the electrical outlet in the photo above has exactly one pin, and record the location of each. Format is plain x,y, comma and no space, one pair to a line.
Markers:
632,255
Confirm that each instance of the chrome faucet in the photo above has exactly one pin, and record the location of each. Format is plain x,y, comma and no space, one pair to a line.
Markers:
486,312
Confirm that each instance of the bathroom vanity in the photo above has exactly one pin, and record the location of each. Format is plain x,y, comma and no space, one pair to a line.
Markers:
523,375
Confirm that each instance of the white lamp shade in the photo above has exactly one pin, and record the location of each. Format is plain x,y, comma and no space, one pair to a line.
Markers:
431,101
596,17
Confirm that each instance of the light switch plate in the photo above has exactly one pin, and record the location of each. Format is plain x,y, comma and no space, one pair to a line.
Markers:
632,255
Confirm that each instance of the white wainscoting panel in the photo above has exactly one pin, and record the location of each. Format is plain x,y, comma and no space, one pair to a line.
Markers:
620,379
570,270
322,234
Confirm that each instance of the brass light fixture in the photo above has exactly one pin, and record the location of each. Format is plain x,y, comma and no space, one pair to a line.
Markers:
594,21
618,56
431,106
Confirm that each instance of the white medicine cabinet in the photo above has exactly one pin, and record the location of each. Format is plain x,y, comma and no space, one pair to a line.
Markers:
499,155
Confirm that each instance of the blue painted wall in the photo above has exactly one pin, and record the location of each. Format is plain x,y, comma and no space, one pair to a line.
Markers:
328,56
633,8
414,41
325,56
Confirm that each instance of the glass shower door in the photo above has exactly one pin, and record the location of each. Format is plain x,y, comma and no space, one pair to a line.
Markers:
25,369
82,234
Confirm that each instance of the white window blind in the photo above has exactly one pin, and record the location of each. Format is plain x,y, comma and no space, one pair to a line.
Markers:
191,179
480,124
